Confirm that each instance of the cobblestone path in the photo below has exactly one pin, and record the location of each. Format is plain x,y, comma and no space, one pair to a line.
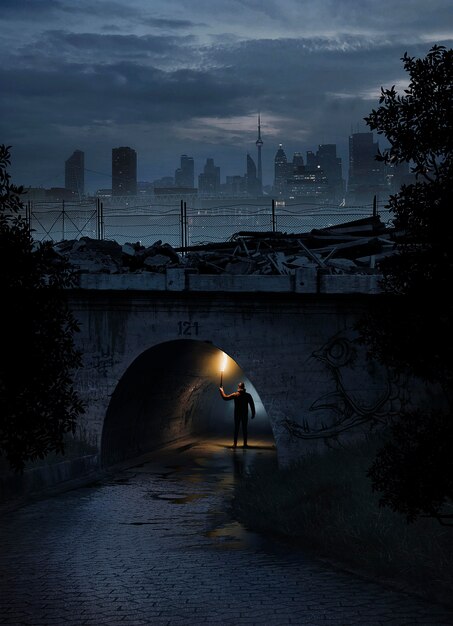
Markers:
154,545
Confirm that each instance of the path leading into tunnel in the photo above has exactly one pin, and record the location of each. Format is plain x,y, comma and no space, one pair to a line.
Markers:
154,544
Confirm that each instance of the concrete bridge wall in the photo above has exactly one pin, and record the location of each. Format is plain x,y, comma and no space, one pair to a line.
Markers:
151,345
151,362
128,377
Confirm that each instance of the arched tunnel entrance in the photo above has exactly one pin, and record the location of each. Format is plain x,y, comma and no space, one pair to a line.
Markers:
171,392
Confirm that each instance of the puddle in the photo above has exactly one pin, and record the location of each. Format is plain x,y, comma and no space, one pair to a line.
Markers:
140,523
196,472
232,536
190,498
232,531
178,499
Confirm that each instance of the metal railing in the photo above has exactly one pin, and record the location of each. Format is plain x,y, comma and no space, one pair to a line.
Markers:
181,225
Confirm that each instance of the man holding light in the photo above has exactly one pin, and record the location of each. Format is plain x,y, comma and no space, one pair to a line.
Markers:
242,401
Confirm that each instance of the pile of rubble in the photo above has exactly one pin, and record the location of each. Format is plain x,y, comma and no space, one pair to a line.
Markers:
352,247
94,256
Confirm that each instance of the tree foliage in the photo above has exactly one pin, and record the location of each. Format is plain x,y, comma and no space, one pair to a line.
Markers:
38,403
419,129
411,330
412,471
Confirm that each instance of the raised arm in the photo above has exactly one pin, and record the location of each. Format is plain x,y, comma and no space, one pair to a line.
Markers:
227,396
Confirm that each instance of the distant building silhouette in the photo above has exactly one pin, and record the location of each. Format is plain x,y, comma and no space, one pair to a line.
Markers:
366,175
209,180
280,171
236,185
103,193
181,193
54,194
57,194
124,171
184,175
144,188
75,173
305,183
253,184
298,160
165,181
326,159
259,144
309,181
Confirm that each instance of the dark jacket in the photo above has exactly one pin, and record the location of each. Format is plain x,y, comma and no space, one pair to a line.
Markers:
242,400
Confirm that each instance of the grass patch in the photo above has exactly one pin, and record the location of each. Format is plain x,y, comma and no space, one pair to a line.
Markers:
325,504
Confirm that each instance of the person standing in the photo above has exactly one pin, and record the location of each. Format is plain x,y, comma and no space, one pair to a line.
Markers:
242,401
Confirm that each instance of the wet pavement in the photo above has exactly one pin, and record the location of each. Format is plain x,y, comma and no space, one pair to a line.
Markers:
155,544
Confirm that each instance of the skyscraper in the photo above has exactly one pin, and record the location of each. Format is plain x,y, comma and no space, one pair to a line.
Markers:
124,171
253,184
75,173
209,180
259,145
298,160
307,182
330,163
366,175
280,171
184,175
326,159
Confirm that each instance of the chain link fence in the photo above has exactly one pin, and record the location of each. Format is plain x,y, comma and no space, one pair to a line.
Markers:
183,224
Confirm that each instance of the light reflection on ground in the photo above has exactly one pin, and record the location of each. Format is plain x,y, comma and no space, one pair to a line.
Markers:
204,469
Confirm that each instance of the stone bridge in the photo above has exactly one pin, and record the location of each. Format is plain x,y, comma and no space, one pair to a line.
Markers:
152,346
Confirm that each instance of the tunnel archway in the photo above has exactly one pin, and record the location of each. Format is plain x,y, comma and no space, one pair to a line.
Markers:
171,392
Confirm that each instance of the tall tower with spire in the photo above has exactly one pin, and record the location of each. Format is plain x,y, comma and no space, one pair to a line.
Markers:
259,145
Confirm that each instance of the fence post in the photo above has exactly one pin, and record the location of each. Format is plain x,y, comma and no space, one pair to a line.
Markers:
97,219
186,238
181,219
273,216
101,223
375,206
62,220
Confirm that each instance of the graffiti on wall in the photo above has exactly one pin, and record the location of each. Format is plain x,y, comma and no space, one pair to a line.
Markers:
358,390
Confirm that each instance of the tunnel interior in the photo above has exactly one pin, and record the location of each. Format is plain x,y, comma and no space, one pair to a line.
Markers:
170,392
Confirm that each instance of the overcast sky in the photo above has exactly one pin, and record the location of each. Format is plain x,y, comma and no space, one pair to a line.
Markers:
168,77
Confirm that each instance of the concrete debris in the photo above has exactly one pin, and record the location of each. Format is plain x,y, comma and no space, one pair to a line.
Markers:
157,262
351,248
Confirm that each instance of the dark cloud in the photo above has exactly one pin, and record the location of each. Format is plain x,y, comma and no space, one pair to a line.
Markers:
84,47
40,9
124,93
110,28
102,79
160,22
18,9
410,16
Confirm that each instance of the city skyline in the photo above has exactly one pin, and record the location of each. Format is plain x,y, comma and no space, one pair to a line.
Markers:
93,76
318,177
236,169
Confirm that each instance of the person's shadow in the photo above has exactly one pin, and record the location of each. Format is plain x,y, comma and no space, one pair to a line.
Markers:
238,464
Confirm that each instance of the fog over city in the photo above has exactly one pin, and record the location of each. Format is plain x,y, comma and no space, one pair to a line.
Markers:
190,77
